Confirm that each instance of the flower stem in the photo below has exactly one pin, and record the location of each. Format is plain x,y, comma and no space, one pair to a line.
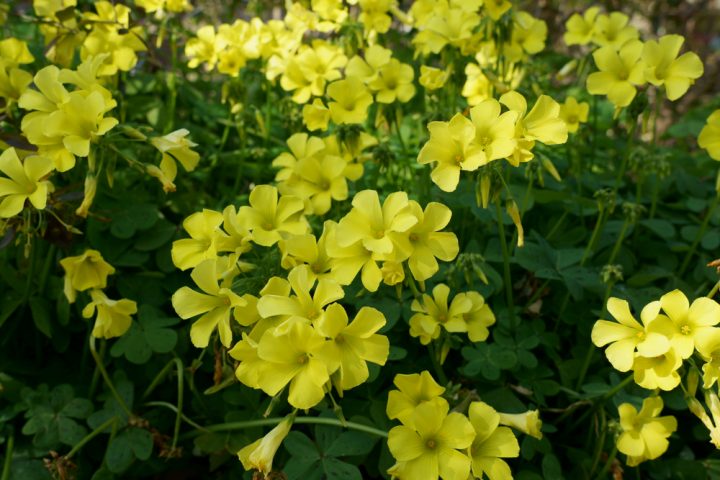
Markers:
267,422
8,457
714,290
608,463
610,393
700,235
506,261
180,392
619,242
107,379
76,448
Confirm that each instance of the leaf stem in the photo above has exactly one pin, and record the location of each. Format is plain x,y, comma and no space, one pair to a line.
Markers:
506,261
8,457
107,379
76,448
699,236
180,388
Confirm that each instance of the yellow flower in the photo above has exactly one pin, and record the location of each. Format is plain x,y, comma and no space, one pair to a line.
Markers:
434,313
709,137
316,115
373,15
320,64
302,305
13,83
14,52
477,86
259,454
496,8
620,72
428,242
299,356
394,82
613,30
270,218
89,191
685,324
644,434
24,181
664,67
478,318
628,335
205,238
542,123
318,179
176,148
80,121
301,146
354,344
452,148
574,113
528,36
433,446
215,305
494,132
527,422
348,261
306,249
204,48
85,271
492,443
580,29
708,346
433,78
447,26
659,371
113,316
376,57
380,229
392,272
413,390
352,100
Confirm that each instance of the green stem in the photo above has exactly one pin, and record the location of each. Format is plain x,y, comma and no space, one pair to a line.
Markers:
626,155
435,360
714,290
618,242
107,379
172,407
608,463
180,387
700,235
76,448
158,378
610,393
506,261
591,349
600,443
8,457
268,422
593,238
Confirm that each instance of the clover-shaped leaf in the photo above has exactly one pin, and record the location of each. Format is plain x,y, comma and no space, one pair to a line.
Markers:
146,336
53,416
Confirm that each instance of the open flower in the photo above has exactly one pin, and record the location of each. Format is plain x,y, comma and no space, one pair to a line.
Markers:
24,181
709,137
270,218
215,304
394,82
430,447
627,335
413,390
355,343
434,313
113,316
351,100
620,72
175,147
574,113
579,29
492,443
664,67
644,434
428,242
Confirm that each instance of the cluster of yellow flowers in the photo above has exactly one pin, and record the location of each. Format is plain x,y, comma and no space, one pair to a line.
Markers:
670,332
467,144
105,31
90,271
396,231
432,442
625,62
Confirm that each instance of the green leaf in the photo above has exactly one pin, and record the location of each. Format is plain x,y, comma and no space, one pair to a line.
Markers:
119,455
149,334
160,234
299,445
551,468
350,443
141,442
338,470
41,315
662,228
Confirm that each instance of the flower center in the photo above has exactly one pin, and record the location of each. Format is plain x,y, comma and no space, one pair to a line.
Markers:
431,444
413,237
303,359
379,234
686,330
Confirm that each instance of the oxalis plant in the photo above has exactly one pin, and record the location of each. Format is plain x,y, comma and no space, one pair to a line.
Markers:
356,240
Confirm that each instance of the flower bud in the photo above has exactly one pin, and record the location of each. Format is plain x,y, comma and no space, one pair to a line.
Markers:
528,422
259,454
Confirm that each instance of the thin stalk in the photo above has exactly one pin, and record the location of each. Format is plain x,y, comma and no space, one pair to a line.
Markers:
506,261
180,387
591,348
158,379
268,422
619,242
107,379
600,443
608,463
8,457
610,393
593,238
76,448
700,235
714,290
626,155
172,407
435,360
